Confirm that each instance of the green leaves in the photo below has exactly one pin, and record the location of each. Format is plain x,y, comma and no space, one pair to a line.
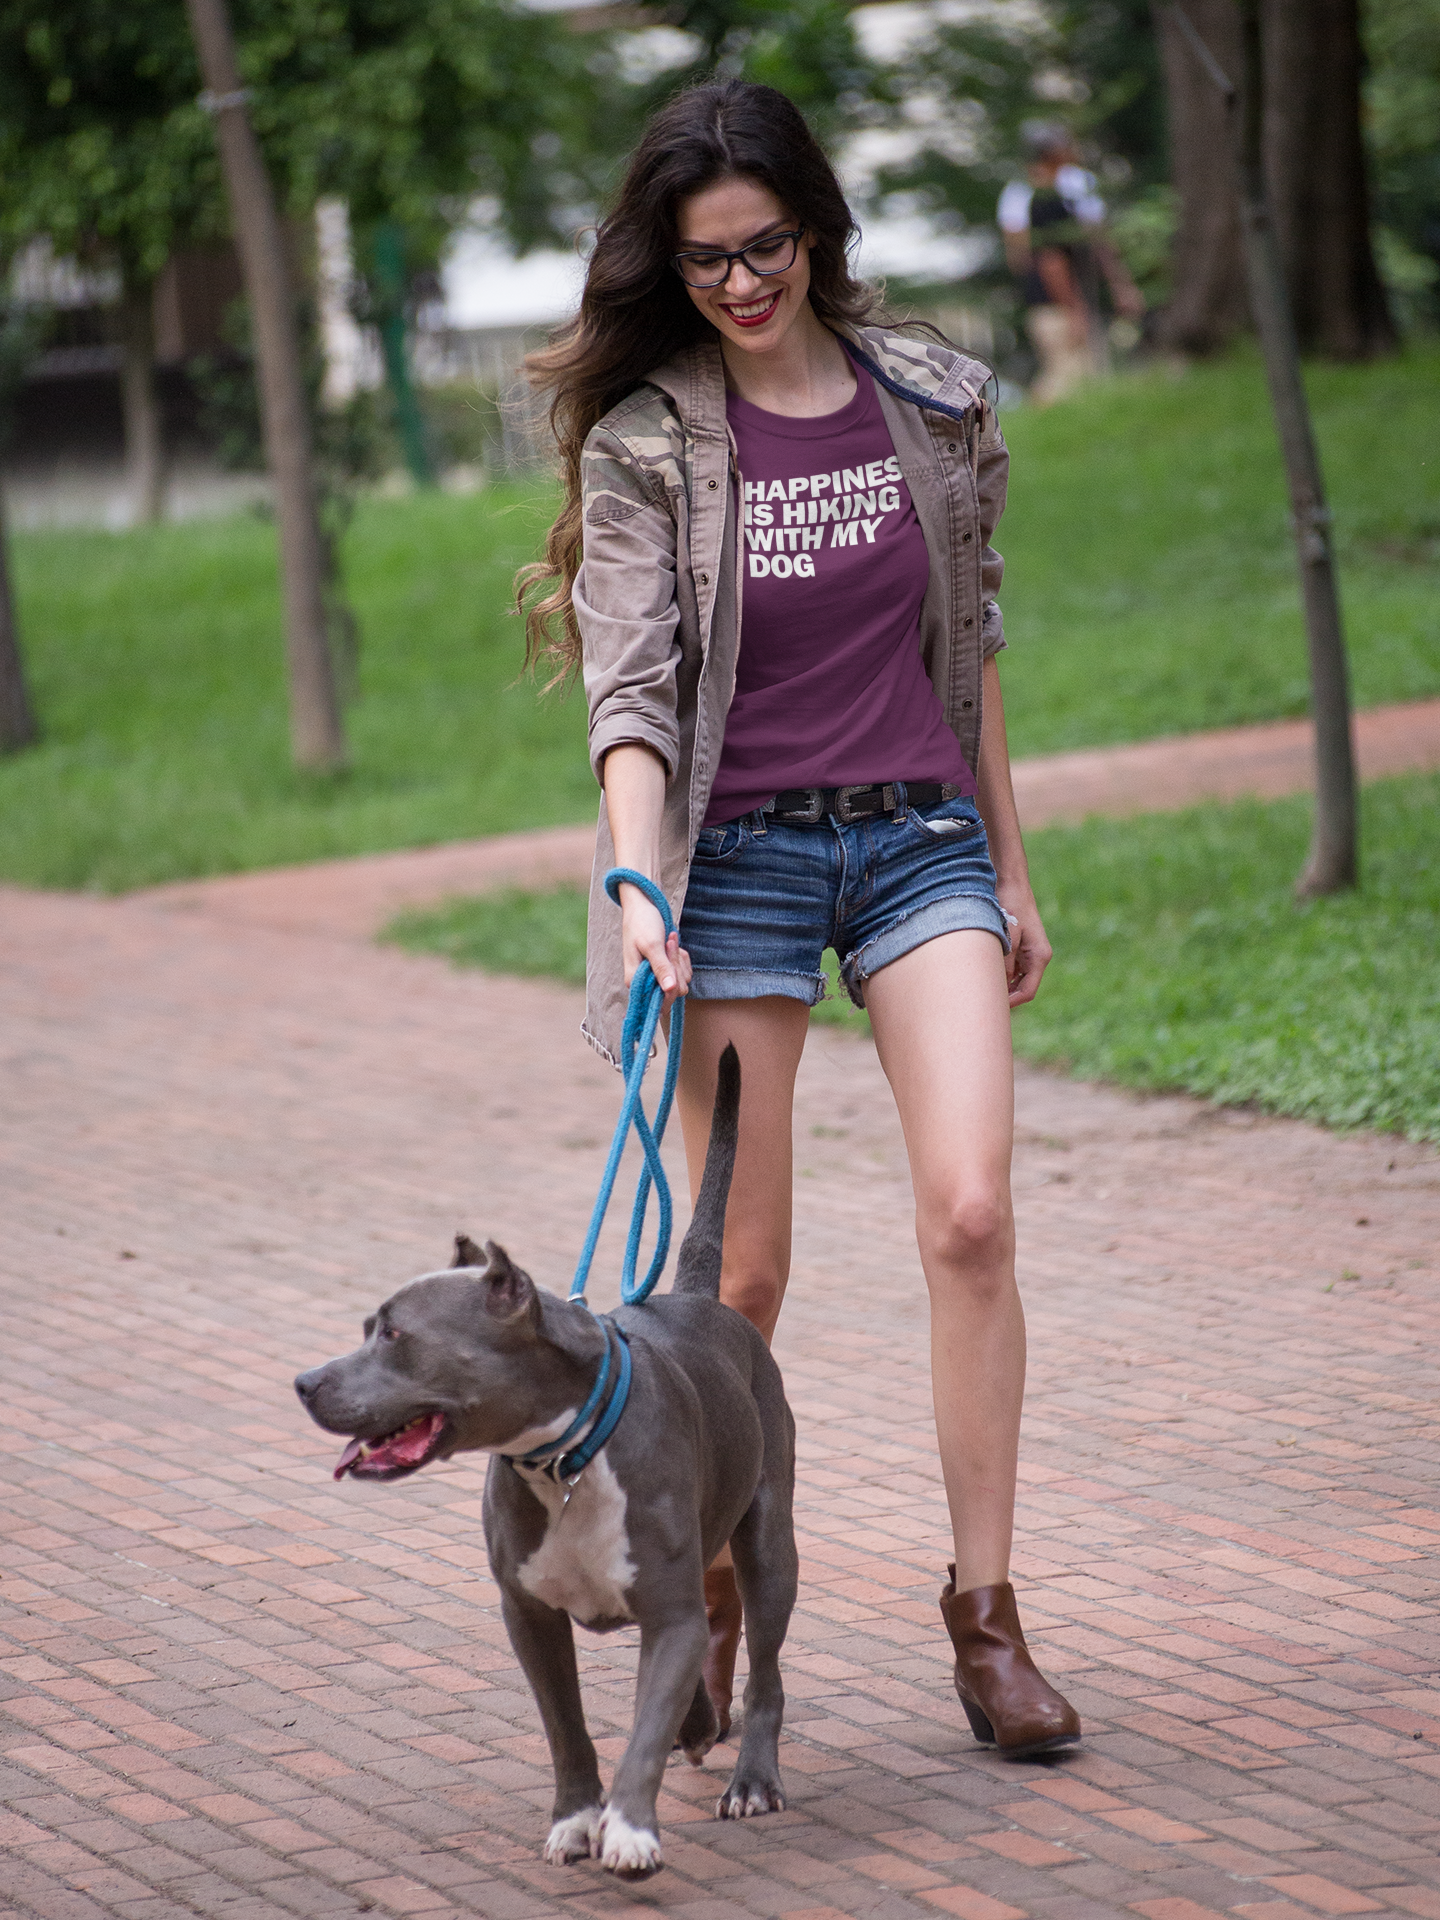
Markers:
408,111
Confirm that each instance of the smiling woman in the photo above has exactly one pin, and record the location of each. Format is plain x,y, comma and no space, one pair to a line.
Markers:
736,422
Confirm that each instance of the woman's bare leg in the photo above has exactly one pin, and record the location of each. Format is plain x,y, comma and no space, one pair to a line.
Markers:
942,1028
769,1036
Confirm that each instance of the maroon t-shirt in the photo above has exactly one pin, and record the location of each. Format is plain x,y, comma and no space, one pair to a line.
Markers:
830,690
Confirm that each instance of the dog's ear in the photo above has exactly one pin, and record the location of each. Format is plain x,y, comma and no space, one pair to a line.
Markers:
509,1293
467,1254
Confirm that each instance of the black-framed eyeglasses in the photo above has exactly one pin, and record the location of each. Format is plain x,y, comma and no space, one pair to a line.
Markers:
711,267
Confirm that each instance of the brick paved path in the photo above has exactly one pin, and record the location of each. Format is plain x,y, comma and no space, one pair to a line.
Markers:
230,1687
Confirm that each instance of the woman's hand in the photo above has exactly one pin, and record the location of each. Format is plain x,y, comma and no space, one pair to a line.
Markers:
1030,951
642,936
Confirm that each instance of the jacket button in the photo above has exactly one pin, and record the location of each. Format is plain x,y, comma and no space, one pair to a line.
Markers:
966,538
712,484
969,618
967,704
950,446
704,580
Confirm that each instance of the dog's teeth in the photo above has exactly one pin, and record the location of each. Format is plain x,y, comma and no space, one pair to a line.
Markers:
365,1449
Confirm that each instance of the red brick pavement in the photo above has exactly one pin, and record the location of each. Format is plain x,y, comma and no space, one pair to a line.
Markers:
231,1687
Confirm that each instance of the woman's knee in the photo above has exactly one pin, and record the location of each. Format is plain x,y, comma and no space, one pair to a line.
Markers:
970,1232
754,1289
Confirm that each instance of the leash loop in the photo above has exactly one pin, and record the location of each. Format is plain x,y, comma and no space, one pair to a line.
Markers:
642,1019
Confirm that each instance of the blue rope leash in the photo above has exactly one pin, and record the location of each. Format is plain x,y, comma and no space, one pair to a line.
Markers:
642,1018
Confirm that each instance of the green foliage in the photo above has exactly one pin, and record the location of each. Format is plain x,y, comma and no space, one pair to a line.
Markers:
1181,959
409,108
1402,101
1150,589
102,146
807,48
405,109
1144,231
1110,51
508,931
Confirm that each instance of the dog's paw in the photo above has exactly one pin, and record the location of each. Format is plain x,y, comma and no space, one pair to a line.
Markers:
574,1837
622,1848
744,1798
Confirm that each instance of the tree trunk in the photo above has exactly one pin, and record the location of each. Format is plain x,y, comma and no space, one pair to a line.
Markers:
1333,862
1315,175
144,433
17,721
1209,305
317,736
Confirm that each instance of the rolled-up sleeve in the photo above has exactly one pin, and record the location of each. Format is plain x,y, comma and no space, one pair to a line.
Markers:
625,607
992,478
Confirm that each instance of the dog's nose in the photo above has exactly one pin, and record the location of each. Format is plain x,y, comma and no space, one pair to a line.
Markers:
306,1383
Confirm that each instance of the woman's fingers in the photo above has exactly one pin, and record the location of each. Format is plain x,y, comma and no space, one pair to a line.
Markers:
1030,951
680,970
1031,954
643,937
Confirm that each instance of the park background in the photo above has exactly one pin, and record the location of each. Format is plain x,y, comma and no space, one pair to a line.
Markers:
437,168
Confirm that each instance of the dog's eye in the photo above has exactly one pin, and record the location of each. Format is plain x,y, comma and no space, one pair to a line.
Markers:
389,1333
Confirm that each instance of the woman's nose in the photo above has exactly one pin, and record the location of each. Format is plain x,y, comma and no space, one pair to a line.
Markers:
741,283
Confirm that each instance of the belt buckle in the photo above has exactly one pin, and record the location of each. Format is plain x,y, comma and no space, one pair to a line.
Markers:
815,808
842,802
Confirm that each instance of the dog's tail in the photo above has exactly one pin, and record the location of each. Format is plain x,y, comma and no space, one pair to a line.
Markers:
698,1268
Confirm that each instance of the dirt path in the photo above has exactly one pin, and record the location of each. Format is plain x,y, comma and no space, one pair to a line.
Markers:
230,1687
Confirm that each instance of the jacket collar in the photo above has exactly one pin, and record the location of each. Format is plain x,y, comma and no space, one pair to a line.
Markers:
922,372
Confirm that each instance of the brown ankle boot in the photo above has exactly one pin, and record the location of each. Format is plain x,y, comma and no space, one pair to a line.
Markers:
1009,1704
726,1617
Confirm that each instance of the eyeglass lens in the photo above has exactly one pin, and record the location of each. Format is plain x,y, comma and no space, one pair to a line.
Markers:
771,255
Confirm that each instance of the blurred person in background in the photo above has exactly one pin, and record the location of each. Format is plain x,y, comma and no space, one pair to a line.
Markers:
1053,225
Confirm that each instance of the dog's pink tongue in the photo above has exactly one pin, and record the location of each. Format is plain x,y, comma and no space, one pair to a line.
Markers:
348,1458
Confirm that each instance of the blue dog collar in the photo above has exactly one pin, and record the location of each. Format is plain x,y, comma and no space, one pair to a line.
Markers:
557,1457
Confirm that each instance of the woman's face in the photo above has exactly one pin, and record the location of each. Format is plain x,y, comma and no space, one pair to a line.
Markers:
752,311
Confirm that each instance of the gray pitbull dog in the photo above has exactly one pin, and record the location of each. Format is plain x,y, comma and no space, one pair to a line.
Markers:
476,1357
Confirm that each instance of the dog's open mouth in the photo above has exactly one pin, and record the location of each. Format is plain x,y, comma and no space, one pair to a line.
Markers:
394,1453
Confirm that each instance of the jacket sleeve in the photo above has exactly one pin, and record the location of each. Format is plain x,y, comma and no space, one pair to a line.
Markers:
992,473
625,606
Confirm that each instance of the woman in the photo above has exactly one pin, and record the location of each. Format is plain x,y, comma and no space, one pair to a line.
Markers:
731,425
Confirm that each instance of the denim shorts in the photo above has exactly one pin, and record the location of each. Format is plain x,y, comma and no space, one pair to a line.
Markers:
766,899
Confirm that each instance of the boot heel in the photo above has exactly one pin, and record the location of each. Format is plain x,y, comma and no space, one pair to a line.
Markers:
979,1725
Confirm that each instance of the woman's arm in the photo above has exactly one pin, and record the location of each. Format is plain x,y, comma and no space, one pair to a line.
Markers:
634,780
1029,949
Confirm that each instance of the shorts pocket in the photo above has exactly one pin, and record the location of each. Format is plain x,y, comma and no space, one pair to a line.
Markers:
951,820
716,845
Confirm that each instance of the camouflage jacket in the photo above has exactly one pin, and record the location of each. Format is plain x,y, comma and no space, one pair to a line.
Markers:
657,597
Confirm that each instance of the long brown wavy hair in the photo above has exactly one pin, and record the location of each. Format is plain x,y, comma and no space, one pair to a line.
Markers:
635,312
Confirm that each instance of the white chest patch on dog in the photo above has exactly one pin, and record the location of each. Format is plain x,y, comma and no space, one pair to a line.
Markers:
583,1564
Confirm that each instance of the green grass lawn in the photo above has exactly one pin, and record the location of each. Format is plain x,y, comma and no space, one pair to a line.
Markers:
156,662
1150,582
1150,589
1181,958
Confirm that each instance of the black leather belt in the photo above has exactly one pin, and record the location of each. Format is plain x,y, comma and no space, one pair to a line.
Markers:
807,805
